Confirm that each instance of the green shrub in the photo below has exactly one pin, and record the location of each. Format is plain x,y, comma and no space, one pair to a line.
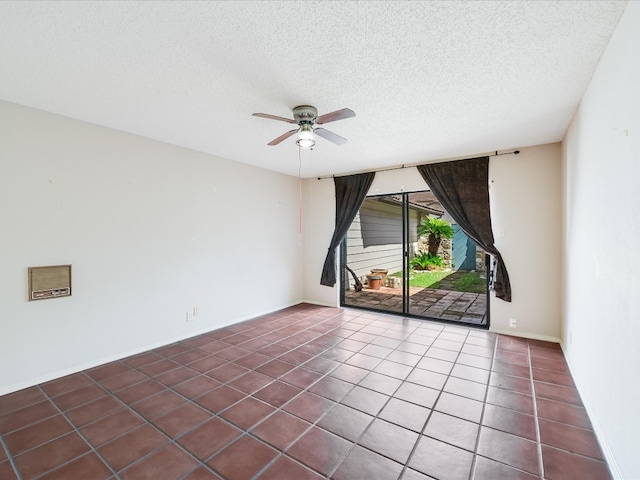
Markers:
425,260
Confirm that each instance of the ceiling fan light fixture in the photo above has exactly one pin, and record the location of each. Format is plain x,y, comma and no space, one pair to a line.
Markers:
306,116
305,138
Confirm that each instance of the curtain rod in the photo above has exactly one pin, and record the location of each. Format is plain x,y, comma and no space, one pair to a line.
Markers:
400,167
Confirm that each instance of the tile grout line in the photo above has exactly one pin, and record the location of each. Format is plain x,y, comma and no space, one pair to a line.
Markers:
172,389
421,433
426,422
535,415
247,432
315,423
77,431
376,416
110,393
10,458
325,375
192,401
127,406
391,396
138,368
49,399
472,473
150,422
389,331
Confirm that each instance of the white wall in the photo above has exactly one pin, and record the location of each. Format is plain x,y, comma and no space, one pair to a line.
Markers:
151,230
526,214
319,223
526,207
601,328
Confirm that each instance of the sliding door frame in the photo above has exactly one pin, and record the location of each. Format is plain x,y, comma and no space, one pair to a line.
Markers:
406,297
405,253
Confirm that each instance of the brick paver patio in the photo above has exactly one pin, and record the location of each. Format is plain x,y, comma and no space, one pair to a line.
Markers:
444,304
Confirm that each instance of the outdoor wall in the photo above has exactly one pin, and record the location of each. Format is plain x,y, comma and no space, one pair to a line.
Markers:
374,239
601,327
151,230
362,259
518,181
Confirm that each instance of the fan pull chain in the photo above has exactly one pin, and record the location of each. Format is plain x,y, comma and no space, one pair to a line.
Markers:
300,196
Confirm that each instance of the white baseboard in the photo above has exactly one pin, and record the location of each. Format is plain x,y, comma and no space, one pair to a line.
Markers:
320,304
4,390
533,336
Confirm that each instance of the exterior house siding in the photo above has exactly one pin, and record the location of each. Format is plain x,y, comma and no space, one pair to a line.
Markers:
374,239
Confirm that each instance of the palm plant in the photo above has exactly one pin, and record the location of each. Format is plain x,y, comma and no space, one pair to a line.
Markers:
435,229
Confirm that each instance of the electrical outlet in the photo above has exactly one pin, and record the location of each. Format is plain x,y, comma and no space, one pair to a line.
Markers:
513,323
196,311
188,317
291,291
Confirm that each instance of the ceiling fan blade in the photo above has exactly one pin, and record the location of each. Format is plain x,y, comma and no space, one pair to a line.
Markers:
282,137
274,117
332,137
337,115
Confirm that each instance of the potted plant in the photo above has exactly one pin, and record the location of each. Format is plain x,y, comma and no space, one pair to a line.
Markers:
374,282
383,272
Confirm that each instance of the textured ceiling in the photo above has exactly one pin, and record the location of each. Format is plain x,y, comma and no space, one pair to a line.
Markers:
427,80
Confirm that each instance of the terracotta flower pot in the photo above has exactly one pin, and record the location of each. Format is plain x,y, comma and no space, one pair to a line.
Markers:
380,271
374,282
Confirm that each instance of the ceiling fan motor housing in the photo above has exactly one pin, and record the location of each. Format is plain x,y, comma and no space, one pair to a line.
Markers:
305,114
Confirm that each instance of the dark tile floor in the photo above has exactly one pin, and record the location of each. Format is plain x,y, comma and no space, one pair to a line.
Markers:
306,393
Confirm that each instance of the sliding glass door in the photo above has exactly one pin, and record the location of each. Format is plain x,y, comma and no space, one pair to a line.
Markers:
402,254
374,253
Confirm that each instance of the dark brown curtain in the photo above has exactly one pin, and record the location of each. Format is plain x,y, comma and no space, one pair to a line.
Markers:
462,187
350,193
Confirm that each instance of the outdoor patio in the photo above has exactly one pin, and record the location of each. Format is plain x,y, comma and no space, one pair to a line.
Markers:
445,304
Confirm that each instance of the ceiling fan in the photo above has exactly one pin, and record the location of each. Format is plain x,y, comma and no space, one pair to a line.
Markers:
306,116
